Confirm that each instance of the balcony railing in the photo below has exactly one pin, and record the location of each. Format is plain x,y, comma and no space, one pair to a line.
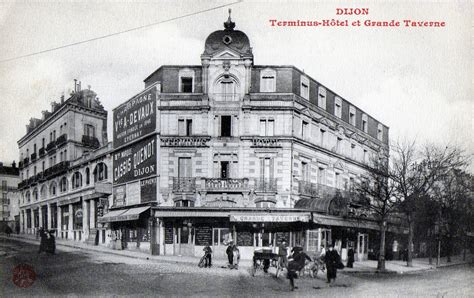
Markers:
41,152
40,177
62,139
227,184
185,141
33,156
266,142
266,185
22,184
184,184
51,146
226,96
26,161
56,170
89,141
4,214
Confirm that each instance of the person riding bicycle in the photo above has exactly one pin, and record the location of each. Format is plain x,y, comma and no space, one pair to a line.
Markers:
208,256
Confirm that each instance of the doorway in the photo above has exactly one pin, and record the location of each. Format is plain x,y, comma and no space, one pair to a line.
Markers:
362,246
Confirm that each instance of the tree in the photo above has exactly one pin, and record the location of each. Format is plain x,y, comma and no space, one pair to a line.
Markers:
376,190
414,174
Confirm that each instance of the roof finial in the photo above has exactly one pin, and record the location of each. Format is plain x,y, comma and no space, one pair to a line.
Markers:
229,25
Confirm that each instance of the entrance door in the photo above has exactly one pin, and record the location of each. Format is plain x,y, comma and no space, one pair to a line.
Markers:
186,241
362,246
220,239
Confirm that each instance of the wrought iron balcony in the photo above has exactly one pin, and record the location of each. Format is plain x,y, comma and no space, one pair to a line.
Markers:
26,161
33,156
40,177
62,139
226,184
185,141
89,141
51,146
41,152
266,142
184,184
56,170
266,185
22,184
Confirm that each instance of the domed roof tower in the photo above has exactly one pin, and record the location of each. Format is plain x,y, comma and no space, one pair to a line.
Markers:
227,54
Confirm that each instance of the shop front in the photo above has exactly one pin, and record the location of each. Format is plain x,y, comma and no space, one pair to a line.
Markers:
129,228
186,231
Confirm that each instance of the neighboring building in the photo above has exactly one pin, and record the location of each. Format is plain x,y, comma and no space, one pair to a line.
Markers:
65,168
9,210
231,150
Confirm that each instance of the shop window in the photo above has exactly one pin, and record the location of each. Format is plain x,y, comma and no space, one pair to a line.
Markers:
313,240
322,97
267,80
338,107
226,126
77,216
221,236
304,92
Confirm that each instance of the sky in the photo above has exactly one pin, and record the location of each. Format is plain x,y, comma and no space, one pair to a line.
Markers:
416,80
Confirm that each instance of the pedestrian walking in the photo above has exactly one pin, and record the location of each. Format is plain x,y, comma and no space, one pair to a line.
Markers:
208,256
283,254
42,235
296,264
332,260
8,230
350,257
236,256
230,254
51,242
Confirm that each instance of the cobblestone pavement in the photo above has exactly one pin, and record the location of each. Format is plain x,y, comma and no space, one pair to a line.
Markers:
78,272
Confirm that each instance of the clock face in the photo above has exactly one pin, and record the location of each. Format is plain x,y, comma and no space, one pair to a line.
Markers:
227,39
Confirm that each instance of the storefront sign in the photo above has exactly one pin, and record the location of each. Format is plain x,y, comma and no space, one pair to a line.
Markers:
133,193
136,161
135,118
119,195
148,190
203,235
269,218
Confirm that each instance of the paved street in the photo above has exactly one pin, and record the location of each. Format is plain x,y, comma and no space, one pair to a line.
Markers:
79,272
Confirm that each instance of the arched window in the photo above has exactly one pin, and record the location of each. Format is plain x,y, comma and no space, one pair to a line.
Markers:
63,184
88,176
100,172
76,180
226,89
43,192
52,188
28,196
35,194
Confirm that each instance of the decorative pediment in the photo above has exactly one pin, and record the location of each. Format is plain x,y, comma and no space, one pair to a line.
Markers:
339,165
227,54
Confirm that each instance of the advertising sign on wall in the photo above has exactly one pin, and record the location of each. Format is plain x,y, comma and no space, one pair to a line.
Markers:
119,195
148,190
136,161
135,118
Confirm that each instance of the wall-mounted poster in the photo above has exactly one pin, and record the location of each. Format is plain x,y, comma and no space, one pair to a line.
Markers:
135,118
148,190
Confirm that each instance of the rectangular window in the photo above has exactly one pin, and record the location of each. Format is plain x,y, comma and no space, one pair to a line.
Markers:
364,123
267,127
352,116
304,92
321,175
89,130
34,170
184,167
364,157
338,180
42,164
225,169
42,142
338,107
181,127
226,126
189,127
323,136
339,145
379,132
186,85
304,171
304,129
322,97
263,127
268,84
34,148
353,146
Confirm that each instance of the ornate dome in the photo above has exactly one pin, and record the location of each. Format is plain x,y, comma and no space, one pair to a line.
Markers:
228,38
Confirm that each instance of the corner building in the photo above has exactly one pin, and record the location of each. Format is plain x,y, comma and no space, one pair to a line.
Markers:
256,154
65,169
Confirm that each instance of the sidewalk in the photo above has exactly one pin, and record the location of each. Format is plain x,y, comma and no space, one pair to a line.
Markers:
368,266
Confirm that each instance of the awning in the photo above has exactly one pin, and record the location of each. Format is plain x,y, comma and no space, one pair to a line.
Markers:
315,204
352,223
270,217
123,215
190,213
69,201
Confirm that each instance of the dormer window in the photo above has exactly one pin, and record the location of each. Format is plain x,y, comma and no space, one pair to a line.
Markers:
322,97
304,92
352,116
380,132
267,80
364,126
338,107
186,80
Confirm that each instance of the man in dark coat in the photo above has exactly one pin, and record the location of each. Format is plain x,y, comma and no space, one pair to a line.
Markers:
296,264
43,239
332,260
230,254
350,257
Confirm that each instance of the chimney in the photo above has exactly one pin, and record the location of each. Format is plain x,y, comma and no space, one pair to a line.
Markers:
14,165
75,85
79,86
